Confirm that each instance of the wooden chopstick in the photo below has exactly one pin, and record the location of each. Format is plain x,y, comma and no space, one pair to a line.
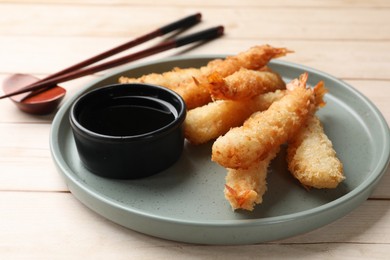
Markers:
207,34
182,23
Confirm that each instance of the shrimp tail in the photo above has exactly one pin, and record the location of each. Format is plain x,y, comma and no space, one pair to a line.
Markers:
243,200
217,84
319,92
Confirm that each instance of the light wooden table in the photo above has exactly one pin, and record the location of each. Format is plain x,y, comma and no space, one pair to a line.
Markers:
40,218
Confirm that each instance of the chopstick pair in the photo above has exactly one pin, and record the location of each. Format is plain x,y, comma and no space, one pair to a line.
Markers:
77,70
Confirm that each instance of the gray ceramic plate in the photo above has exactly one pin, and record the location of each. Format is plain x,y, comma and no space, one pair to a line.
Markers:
186,202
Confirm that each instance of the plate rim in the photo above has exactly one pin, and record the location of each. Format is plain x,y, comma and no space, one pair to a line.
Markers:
370,181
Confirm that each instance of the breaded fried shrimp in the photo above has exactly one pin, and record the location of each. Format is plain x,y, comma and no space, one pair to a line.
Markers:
192,84
242,146
208,122
182,81
171,79
243,84
311,158
254,59
245,188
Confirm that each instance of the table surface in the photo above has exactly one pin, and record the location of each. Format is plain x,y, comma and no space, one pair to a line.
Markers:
41,218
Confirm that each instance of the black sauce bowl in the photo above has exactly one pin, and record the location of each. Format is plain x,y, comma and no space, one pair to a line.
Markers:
128,131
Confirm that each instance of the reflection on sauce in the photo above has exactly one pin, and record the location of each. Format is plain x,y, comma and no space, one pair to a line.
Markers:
128,116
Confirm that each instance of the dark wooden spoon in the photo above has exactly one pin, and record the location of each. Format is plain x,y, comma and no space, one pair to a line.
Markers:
41,103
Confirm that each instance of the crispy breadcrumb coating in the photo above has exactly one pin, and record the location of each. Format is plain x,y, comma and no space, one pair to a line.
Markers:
264,131
210,121
245,188
311,157
192,83
244,84
255,58
183,81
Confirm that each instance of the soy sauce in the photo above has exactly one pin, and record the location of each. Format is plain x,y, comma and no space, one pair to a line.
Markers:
128,116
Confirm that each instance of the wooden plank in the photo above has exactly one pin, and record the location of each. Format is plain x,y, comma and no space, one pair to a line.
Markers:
31,174
216,3
343,59
367,221
66,228
245,22
26,162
